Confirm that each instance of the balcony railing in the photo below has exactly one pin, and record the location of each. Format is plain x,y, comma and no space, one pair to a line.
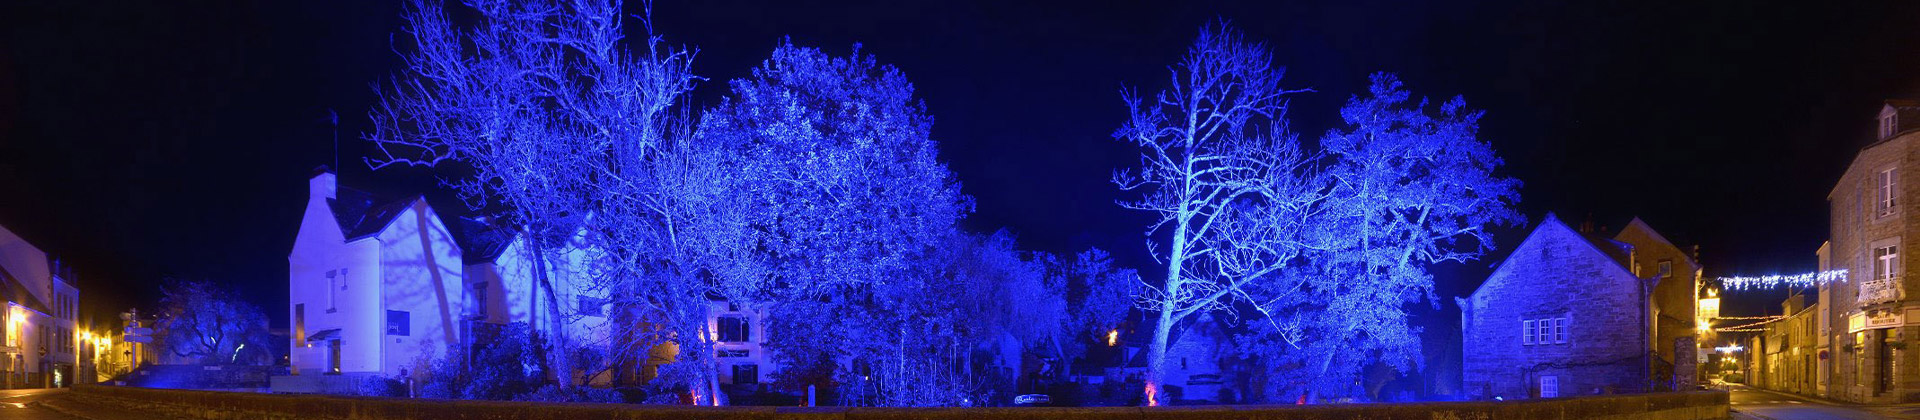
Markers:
1880,291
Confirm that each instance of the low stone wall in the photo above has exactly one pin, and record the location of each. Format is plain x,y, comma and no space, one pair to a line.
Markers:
1707,405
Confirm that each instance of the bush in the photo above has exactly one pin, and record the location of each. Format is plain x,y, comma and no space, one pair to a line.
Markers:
1736,378
381,386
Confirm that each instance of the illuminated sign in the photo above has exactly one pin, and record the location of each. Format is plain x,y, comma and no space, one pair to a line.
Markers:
1862,321
1729,348
1710,308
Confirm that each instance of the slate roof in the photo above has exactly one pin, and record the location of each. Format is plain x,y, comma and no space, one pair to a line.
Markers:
362,214
481,240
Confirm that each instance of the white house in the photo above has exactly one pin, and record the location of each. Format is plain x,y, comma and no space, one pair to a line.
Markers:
375,286
501,275
740,338
41,334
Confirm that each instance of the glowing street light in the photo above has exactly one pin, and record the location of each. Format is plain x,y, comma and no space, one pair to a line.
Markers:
1113,338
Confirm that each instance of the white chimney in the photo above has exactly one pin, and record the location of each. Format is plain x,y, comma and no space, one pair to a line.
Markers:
322,184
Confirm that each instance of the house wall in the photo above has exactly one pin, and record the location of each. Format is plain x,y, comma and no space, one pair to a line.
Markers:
1197,352
511,292
1555,273
1865,364
420,275
350,304
755,346
1674,303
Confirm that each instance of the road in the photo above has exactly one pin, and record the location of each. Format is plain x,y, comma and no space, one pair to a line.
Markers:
1782,406
13,405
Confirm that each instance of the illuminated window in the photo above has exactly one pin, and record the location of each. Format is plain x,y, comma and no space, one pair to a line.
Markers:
397,323
734,329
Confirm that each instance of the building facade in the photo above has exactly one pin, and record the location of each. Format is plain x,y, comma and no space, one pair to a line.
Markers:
1871,318
375,286
1566,314
41,332
1785,356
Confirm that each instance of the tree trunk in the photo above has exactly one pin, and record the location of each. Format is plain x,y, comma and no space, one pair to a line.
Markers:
557,359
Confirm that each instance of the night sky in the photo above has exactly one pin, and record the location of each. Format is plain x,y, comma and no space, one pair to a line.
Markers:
146,141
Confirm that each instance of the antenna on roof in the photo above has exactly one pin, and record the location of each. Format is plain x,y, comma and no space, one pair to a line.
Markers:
334,118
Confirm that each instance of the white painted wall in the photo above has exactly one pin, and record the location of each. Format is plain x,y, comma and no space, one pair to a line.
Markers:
412,265
420,274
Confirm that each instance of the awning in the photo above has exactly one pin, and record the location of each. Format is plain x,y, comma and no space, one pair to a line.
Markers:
324,335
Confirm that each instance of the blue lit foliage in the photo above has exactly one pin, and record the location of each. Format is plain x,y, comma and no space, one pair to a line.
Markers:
1410,186
1225,179
846,206
834,158
205,322
553,118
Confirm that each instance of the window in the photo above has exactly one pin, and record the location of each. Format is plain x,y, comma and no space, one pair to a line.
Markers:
1884,191
1886,262
1559,330
1526,332
1887,125
746,374
591,306
1666,269
480,300
332,300
1546,331
300,324
733,329
1549,387
733,353
397,323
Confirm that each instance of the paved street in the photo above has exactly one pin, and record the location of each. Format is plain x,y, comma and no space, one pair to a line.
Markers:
1781,406
14,405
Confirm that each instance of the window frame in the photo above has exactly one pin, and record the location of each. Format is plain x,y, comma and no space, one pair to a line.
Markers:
405,324
1526,332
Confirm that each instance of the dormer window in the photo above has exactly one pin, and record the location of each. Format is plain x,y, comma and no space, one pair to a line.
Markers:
1888,123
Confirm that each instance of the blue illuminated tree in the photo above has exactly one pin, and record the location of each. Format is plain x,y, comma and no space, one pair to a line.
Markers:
202,321
1411,186
1228,184
549,117
845,201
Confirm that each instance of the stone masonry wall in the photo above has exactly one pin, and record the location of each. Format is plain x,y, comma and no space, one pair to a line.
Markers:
1555,272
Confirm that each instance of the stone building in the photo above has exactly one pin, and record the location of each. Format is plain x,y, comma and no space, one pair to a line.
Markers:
1574,313
1870,318
1785,355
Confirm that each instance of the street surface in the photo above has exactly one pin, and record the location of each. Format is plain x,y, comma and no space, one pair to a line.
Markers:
1751,403
14,405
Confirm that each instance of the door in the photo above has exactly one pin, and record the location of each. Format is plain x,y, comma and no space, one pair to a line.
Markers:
333,357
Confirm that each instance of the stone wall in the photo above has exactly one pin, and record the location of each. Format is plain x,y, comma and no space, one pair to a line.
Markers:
1710,405
1556,272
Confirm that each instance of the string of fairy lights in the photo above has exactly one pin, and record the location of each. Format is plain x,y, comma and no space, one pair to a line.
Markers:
1772,281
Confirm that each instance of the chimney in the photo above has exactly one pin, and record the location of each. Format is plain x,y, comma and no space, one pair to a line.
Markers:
322,184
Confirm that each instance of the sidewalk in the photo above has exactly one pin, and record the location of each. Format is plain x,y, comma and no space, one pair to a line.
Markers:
97,408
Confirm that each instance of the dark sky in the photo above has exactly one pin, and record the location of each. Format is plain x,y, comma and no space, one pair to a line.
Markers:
153,140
